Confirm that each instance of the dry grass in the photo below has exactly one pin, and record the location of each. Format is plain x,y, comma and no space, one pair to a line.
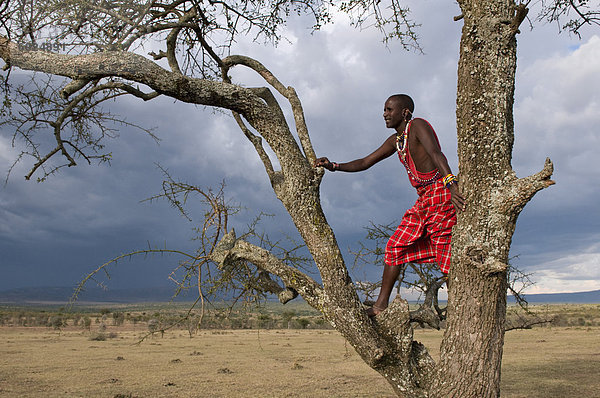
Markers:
39,362
552,362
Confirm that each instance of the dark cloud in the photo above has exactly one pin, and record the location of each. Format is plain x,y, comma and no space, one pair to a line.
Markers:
55,232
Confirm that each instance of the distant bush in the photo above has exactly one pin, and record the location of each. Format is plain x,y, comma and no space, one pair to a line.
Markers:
303,322
118,318
56,322
98,337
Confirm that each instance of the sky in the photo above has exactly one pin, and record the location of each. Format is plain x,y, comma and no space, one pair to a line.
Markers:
54,233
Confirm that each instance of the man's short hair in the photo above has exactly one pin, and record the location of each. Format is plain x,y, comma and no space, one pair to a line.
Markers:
405,101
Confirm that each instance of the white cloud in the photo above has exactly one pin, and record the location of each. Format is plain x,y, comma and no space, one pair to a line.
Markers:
569,271
558,114
554,283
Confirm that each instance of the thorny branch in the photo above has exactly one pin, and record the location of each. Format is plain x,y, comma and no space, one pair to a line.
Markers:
36,107
525,319
231,251
560,10
244,277
197,37
392,21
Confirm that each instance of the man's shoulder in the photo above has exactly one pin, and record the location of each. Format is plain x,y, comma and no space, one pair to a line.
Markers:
421,125
419,121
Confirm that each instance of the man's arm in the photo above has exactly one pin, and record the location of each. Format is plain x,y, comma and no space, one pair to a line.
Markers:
426,138
386,150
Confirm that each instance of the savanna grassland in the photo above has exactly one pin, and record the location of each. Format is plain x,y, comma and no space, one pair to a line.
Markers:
129,352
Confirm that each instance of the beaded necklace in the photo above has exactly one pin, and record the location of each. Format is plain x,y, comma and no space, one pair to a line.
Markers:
401,146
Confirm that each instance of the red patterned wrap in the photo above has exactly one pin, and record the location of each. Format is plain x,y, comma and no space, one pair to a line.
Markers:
425,232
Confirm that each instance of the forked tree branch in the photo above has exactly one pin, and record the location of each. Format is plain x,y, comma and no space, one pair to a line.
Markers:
257,143
133,67
514,196
288,92
172,41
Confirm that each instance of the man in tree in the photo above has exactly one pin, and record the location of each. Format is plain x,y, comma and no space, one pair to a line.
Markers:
195,38
425,231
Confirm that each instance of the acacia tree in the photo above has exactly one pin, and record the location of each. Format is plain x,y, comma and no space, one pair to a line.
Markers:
103,60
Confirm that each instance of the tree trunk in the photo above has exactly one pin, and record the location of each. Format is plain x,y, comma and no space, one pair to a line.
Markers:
471,352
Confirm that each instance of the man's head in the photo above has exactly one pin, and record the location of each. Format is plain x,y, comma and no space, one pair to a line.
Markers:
397,109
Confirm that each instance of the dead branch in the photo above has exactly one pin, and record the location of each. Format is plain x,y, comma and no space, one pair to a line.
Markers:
230,250
514,196
69,113
520,15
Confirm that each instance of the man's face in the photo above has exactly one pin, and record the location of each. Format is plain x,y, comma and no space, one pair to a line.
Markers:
393,114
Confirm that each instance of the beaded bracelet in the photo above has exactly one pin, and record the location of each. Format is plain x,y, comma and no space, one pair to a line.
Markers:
449,180
335,166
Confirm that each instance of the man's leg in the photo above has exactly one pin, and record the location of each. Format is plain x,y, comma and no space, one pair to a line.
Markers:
405,238
388,281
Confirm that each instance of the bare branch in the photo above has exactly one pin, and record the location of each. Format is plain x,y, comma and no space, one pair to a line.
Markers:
103,268
74,86
231,249
520,15
44,160
513,197
392,21
172,40
257,142
259,68
68,113
301,127
35,110
523,318
288,92
559,10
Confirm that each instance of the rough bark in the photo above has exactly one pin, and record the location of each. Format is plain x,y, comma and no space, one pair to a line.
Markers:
471,351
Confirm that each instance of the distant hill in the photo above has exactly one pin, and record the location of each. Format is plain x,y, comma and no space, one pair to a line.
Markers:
562,298
58,295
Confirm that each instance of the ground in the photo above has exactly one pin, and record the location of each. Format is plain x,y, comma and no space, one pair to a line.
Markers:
39,361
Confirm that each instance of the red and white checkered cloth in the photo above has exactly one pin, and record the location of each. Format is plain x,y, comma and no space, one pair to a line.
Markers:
425,231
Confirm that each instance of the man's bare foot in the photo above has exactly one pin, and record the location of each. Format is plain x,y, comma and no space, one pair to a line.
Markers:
447,280
374,310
